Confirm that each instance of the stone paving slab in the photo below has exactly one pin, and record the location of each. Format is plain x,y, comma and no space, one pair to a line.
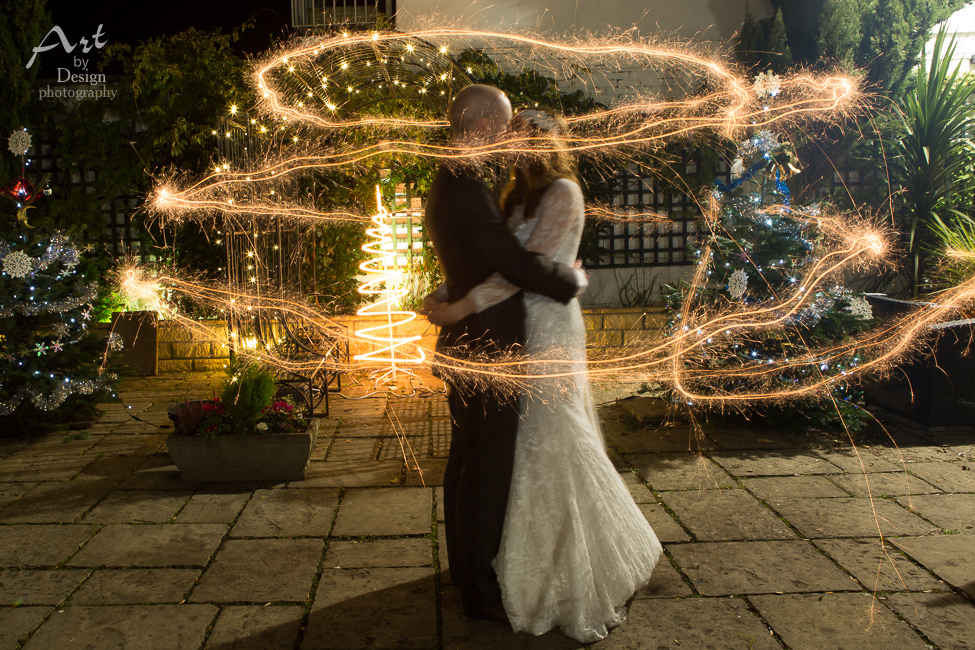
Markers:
353,449
836,621
946,619
112,467
159,627
425,472
39,546
407,552
770,463
141,545
462,633
681,471
800,487
950,477
665,582
352,474
640,492
130,444
58,444
138,506
373,608
371,428
213,508
260,570
729,568
883,484
57,502
698,623
41,468
136,586
849,461
347,409
244,627
10,492
158,473
38,587
948,511
288,513
951,557
399,511
664,526
876,569
734,439
715,515
667,439
17,623
849,517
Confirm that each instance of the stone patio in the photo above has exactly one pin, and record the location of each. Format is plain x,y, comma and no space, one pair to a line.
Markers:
771,540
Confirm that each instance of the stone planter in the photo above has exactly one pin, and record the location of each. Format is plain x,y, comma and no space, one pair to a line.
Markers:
271,457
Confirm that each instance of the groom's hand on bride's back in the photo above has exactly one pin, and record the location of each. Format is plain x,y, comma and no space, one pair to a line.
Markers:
582,278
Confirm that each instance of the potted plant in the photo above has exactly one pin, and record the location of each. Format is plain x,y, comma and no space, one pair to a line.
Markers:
245,434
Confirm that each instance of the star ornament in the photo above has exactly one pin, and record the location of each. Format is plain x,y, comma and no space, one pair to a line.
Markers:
19,142
17,264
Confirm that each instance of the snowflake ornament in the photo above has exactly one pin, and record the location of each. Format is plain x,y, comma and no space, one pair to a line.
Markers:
737,283
19,142
115,342
767,85
17,264
737,169
860,308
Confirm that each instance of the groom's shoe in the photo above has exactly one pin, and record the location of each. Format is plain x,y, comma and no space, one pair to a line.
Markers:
495,613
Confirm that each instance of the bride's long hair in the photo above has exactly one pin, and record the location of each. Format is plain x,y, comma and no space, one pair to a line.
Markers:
531,177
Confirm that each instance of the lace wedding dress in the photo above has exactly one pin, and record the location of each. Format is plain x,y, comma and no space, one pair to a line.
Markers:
575,547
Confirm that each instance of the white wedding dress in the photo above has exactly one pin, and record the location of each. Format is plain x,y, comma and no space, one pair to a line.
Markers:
575,547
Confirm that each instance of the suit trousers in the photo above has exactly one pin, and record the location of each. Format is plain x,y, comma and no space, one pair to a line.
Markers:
482,448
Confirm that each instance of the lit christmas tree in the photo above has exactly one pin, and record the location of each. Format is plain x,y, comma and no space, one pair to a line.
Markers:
46,306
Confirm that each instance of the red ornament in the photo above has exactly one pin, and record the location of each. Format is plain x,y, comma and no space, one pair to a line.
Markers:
20,190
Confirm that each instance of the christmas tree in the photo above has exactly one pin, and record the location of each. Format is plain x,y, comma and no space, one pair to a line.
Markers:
50,358
768,320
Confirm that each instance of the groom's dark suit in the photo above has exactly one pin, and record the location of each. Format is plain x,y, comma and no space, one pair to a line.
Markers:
472,241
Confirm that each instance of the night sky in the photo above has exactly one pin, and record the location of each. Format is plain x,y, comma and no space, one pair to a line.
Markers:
128,21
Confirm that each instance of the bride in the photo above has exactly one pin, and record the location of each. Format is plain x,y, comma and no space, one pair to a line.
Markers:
575,547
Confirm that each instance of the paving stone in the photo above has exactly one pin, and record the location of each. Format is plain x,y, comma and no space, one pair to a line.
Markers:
353,474
440,436
10,446
850,462
373,608
353,449
840,621
147,627
442,558
160,545
405,552
16,623
849,517
113,467
727,568
213,508
640,492
18,469
391,511
946,619
806,487
158,473
425,472
256,628
665,582
58,445
40,545
135,586
947,511
413,448
138,506
642,441
261,570
129,444
950,477
648,410
371,428
915,452
357,409
38,587
752,438
664,526
438,494
713,515
949,556
288,513
680,471
770,463
463,633
10,492
882,484
57,502
876,570
711,623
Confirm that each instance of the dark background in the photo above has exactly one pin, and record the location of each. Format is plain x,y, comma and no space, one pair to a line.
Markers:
132,21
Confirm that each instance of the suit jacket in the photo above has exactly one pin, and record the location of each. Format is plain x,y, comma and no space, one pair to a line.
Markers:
472,241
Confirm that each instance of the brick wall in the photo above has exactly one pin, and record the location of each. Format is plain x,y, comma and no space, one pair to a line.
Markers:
204,348
609,331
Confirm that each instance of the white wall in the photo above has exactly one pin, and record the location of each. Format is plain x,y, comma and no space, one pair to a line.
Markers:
962,25
713,20
605,284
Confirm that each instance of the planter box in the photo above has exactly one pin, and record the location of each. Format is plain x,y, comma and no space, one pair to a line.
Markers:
271,457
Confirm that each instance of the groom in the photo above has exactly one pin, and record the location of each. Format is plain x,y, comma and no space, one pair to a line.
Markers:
472,241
